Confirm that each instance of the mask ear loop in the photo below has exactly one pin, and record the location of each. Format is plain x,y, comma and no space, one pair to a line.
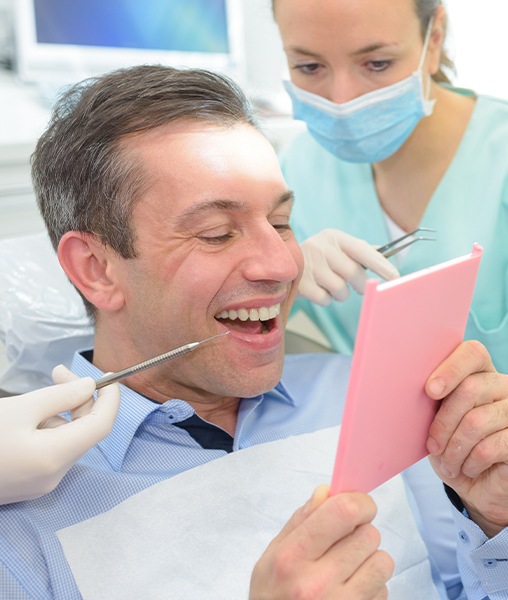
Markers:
425,93
426,43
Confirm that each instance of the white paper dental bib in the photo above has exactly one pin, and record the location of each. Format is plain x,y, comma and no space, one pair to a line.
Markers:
199,534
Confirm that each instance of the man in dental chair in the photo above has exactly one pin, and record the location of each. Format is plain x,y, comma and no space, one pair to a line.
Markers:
171,217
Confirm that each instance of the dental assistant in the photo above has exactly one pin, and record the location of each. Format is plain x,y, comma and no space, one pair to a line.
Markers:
391,146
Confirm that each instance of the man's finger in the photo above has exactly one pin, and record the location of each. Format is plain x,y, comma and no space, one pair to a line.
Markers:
468,358
334,519
319,495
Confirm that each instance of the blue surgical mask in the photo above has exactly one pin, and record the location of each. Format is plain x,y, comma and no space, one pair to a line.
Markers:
369,128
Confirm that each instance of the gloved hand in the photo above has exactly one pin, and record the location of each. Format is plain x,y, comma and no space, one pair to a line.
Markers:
37,447
335,260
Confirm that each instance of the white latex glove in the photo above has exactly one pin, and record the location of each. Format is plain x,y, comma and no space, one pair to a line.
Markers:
335,260
37,447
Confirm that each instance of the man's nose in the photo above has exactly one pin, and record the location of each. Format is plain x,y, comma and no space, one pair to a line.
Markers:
272,257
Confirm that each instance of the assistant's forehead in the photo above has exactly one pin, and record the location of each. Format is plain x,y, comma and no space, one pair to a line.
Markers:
299,20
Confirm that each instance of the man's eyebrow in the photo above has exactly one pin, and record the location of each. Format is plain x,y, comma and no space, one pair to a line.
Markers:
207,206
287,196
224,205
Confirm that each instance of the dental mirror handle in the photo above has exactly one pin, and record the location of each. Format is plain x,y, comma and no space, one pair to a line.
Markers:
152,362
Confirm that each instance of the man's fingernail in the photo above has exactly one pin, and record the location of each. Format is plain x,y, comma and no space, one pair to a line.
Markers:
432,446
446,472
436,386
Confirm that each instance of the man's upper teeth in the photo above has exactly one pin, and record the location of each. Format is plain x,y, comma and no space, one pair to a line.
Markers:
252,314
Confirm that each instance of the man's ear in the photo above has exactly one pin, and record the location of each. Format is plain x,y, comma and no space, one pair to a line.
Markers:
89,265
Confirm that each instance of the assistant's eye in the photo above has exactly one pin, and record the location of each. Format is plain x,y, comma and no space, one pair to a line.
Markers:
378,65
307,69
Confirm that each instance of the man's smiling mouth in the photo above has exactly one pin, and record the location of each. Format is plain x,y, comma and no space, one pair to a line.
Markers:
250,320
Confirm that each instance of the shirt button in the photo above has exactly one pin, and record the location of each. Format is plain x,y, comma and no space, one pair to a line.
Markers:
490,563
463,536
171,417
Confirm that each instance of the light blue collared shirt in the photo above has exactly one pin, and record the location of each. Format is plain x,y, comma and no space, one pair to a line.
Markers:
147,446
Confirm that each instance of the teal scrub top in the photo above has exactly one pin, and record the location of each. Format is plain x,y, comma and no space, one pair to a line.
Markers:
469,205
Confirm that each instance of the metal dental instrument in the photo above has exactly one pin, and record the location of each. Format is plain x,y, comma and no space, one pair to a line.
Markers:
393,247
152,362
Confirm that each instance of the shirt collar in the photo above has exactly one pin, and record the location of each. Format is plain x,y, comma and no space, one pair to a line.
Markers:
135,408
282,393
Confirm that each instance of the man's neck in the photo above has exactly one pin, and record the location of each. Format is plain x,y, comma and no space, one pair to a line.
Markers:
221,411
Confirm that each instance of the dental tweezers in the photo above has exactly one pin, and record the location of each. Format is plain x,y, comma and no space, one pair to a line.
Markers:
396,246
152,362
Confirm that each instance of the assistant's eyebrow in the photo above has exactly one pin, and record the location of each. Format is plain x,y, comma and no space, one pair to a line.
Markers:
304,52
225,205
372,48
364,50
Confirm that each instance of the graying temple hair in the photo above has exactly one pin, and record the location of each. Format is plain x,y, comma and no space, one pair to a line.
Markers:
83,178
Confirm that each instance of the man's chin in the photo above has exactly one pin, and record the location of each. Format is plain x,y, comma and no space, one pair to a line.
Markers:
253,384
244,375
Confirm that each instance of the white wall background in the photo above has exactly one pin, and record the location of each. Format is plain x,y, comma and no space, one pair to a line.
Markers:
478,35
265,61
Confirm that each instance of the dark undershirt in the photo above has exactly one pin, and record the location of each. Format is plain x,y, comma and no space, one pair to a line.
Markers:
207,435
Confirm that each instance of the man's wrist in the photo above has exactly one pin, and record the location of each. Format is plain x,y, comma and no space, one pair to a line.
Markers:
489,529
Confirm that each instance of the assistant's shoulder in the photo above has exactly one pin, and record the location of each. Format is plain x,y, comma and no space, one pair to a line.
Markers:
485,146
494,104
491,115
